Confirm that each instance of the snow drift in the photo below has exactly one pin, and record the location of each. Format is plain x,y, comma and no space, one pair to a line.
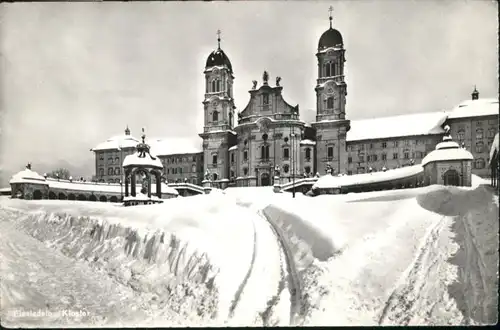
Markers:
154,248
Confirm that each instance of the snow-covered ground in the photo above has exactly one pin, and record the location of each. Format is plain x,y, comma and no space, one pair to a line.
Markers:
248,256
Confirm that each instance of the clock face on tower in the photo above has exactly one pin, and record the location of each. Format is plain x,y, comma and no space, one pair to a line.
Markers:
330,90
215,104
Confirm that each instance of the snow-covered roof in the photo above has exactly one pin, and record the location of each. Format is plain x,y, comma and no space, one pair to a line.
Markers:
397,126
103,187
474,108
27,176
116,142
235,147
174,146
447,150
308,142
135,160
494,147
330,181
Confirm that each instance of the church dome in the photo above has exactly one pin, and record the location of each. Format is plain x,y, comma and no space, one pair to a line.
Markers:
218,58
330,38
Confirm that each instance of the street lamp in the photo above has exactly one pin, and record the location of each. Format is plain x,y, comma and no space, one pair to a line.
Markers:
292,136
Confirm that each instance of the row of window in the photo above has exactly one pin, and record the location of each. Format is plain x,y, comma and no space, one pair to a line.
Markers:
111,171
264,154
374,158
394,144
178,170
479,134
177,160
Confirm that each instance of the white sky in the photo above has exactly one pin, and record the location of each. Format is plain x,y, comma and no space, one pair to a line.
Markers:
74,74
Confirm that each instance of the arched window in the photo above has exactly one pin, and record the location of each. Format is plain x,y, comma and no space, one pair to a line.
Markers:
214,159
479,134
232,174
117,160
193,168
330,152
213,86
308,153
180,170
110,160
215,176
334,68
328,70
117,171
307,169
232,157
230,119
218,85
264,152
329,103
101,172
110,171
245,171
215,116
461,135
286,168
245,155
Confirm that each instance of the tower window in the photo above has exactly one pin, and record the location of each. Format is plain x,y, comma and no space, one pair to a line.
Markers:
215,116
213,86
245,155
330,152
327,70
329,103
218,86
215,176
308,154
286,153
286,168
245,171
479,147
214,160
307,169
232,157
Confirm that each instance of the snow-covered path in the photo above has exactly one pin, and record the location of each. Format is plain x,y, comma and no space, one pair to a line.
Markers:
64,292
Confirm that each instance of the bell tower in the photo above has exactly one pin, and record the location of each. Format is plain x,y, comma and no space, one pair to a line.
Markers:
218,107
331,90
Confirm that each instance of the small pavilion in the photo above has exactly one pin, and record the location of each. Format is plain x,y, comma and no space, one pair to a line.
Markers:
142,163
449,164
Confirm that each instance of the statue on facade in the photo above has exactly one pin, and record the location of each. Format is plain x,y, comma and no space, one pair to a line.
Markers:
278,79
265,77
239,116
254,82
28,166
207,175
317,174
277,170
329,169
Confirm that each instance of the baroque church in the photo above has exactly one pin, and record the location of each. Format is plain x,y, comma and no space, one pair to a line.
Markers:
268,138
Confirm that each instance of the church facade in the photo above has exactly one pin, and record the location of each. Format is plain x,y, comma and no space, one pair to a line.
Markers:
267,139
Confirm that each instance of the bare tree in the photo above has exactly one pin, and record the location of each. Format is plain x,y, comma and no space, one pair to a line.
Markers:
60,173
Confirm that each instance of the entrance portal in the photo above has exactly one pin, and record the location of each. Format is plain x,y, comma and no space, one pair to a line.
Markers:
265,179
451,178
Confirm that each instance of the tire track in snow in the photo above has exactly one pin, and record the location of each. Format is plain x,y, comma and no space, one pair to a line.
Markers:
238,293
293,277
404,301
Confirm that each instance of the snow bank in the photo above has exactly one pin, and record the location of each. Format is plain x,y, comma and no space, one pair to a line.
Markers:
330,181
154,248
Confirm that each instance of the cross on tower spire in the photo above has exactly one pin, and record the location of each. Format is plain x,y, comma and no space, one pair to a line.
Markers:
330,17
218,37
